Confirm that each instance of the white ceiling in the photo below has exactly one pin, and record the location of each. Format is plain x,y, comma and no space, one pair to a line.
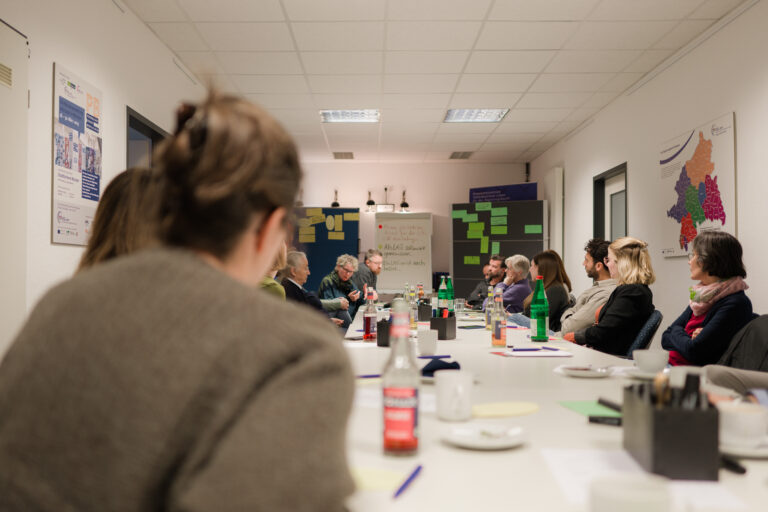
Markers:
553,63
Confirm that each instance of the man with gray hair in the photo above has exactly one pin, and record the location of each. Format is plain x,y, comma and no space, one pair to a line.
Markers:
296,273
367,274
515,285
338,284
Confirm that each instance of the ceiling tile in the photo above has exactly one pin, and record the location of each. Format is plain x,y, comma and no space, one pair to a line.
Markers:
431,35
288,84
347,101
270,101
294,116
437,9
648,60
509,146
567,127
581,114
553,99
250,37
424,62
398,101
407,116
541,10
487,100
441,156
179,37
683,33
621,82
223,83
156,10
600,99
527,127
362,130
201,63
339,36
529,156
508,62
517,139
399,130
464,128
342,63
714,9
414,84
463,138
575,61
495,82
537,114
532,35
260,63
495,156
341,84
620,35
570,82
401,156
335,10
455,146
233,10
542,146
644,9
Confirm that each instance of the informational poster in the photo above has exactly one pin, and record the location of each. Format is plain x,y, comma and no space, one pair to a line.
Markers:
698,175
405,242
77,150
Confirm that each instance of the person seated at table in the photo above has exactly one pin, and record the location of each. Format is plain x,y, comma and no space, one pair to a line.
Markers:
367,273
269,284
163,379
496,275
718,306
297,271
338,284
476,298
736,379
630,304
582,314
120,225
515,285
545,264
562,275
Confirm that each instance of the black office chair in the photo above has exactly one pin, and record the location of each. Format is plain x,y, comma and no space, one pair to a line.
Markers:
644,337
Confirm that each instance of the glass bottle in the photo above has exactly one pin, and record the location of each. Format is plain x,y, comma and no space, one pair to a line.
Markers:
489,308
421,292
369,318
450,295
442,296
400,383
499,321
539,312
413,308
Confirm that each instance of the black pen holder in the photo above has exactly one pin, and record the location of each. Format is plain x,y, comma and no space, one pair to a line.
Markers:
425,312
671,441
382,333
445,327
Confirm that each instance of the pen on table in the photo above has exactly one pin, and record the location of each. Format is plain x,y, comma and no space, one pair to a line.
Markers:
609,404
606,420
407,481
732,465
369,376
525,349
549,348
434,357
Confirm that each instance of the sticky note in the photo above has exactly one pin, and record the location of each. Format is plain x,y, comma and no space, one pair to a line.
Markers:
533,229
590,408
376,479
470,217
471,260
502,210
474,235
498,230
303,223
307,231
495,248
335,235
482,207
339,224
317,219
484,245
476,226
330,221
306,239
352,216
458,214
498,221
313,212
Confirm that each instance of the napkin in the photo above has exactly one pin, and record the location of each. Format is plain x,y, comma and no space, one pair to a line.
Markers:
438,364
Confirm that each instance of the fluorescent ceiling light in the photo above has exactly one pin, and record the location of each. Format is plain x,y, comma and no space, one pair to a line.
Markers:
350,116
475,115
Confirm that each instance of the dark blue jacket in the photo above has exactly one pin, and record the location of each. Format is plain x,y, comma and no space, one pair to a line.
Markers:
726,317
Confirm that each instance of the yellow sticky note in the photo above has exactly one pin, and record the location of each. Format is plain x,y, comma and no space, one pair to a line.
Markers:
307,231
335,235
303,223
352,216
316,219
313,212
375,479
339,226
306,239
504,409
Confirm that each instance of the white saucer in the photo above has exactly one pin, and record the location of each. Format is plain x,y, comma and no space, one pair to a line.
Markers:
484,437
759,452
586,372
635,373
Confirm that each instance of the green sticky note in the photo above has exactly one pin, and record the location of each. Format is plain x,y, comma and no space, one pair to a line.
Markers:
474,235
471,260
482,206
470,217
498,230
533,229
484,245
495,247
499,211
458,214
590,408
498,221
476,226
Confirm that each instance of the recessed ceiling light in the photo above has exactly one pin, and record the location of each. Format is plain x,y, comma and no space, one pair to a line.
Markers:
350,116
475,115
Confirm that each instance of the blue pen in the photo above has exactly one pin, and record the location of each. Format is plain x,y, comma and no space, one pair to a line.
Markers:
369,376
525,349
407,482
550,348
434,357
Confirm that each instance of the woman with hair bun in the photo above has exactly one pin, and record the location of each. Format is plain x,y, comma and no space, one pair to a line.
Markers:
630,304
165,379
718,306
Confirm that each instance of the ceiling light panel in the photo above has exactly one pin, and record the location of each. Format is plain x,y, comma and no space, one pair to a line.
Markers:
350,116
477,115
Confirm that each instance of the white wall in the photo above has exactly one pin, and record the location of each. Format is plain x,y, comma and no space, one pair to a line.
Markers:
727,72
117,54
430,187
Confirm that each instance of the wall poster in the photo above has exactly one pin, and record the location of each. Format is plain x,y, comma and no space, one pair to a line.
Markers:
77,150
698,175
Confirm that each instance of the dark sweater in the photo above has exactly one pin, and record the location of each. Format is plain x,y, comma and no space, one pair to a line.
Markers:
558,299
620,319
722,321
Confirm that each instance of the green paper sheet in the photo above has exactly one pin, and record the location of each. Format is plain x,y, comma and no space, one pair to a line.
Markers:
495,247
590,408
498,221
533,229
479,207
458,214
484,245
498,230
474,235
470,217
471,260
499,211
476,226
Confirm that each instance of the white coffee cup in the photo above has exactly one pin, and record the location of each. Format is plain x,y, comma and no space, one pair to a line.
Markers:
629,493
650,360
454,394
742,424
427,342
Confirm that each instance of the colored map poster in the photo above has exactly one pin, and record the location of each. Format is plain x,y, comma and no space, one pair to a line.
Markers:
698,182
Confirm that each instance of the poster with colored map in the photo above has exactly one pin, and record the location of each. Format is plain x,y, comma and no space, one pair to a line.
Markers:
698,179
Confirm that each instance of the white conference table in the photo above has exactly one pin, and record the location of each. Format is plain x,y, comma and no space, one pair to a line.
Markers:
515,479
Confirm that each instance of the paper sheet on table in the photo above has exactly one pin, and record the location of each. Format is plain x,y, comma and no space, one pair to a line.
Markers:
371,398
539,353
590,408
504,409
376,479
574,470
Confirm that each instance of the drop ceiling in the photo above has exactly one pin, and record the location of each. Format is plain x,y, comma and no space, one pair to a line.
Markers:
553,63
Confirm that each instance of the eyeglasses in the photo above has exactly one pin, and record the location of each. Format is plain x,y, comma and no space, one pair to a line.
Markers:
347,270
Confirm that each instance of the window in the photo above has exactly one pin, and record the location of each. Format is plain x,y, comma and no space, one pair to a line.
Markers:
610,203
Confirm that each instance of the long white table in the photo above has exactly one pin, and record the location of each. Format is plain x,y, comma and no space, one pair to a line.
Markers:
516,479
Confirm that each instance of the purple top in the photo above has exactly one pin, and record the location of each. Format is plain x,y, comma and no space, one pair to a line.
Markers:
514,295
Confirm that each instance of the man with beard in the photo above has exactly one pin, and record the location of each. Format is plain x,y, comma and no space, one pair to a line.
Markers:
496,273
476,298
582,314
367,274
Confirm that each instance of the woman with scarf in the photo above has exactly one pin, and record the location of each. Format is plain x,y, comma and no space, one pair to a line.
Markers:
338,284
718,306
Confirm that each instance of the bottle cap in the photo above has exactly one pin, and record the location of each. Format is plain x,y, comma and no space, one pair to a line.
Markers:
539,277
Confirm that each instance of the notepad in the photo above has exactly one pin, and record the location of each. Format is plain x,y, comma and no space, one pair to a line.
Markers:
590,408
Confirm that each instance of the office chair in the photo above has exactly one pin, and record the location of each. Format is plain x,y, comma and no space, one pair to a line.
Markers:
644,337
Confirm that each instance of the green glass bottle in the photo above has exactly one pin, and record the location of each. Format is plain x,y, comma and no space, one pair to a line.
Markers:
539,312
442,296
451,297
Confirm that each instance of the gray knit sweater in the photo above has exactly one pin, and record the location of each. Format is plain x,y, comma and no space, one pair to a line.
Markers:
157,383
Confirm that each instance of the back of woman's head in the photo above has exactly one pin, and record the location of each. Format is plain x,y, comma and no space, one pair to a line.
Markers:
122,224
719,254
562,274
633,262
227,163
548,267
